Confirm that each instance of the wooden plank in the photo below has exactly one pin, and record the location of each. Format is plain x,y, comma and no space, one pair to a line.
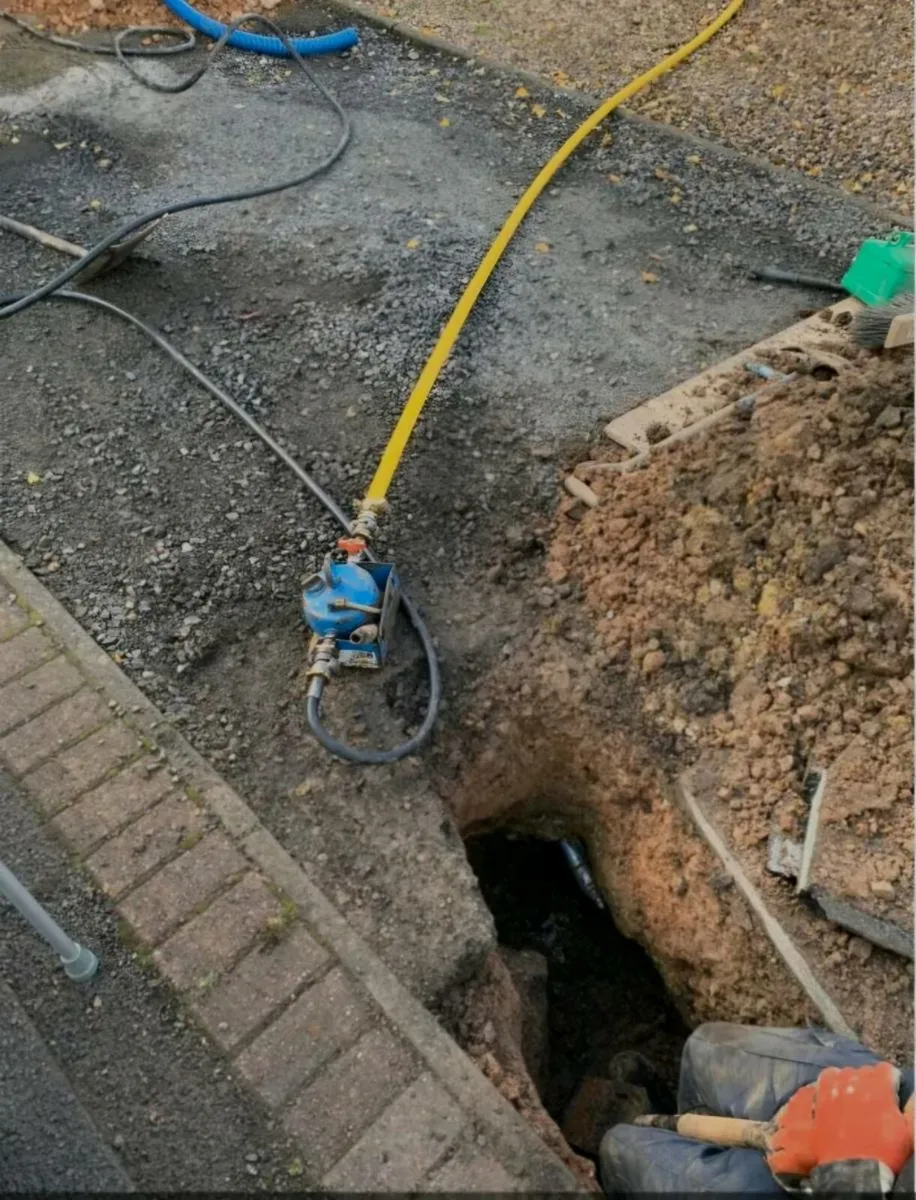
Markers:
701,396
786,948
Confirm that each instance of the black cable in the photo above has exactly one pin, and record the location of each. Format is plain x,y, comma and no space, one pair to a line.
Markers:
313,707
775,275
123,231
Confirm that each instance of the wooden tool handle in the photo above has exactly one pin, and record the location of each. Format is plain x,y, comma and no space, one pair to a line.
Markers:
720,1131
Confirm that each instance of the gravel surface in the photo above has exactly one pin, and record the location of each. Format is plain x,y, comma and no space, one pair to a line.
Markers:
178,542
822,86
108,1085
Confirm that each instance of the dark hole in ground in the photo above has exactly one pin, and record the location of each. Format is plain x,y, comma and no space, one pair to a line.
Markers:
604,993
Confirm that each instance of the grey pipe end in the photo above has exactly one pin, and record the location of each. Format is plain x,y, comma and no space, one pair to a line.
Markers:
81,968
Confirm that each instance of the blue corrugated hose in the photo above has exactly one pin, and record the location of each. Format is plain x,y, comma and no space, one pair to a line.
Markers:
328,43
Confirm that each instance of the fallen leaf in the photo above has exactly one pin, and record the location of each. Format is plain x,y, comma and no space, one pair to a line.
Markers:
777,91
538,110
442,99
844,88
675,197
661,173
295,1168
412,243
607,140
648,277
61,145
691,228
814,171
522,93
542,247
96,204
444,122
693,159
560,78
867,177
31,479
427,30
615,178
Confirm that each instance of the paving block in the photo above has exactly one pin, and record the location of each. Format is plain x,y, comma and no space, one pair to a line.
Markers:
264,981
123,861
322,1023
470,1171
43,736
337,1107
210,942
182,886
111,805
403,1145
71,772
24,652
13,619
25,697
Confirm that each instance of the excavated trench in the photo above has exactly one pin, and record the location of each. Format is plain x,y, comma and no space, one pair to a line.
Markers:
591,992
555,748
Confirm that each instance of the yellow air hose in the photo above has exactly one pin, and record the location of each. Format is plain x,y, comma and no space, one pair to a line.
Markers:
397,443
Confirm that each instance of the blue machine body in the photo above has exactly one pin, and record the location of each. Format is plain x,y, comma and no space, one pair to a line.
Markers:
326,595
328,608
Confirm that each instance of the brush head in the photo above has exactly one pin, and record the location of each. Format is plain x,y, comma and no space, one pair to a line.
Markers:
870,326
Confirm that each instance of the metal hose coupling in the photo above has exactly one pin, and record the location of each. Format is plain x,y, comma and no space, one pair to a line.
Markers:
366,523
323,654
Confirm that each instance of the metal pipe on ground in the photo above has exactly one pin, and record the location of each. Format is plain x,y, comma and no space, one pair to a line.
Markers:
78,961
